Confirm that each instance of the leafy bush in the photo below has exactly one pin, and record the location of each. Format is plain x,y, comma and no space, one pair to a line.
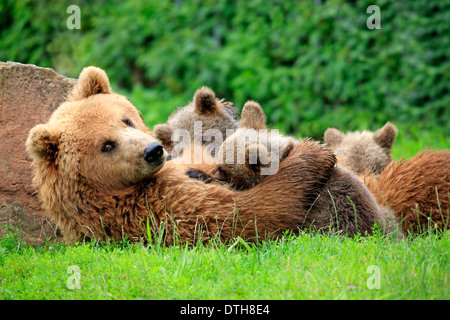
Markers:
311,64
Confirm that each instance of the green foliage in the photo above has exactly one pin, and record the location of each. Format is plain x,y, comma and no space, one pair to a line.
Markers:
11,241
311,64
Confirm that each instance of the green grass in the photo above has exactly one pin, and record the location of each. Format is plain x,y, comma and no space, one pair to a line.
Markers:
308,266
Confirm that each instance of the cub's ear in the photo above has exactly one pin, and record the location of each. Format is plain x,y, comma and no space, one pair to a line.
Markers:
164,133
385,136
257,156
287,150
205,101
252,116
333,137
92,80
42,145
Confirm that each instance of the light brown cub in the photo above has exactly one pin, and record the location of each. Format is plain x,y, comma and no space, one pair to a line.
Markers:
417,189
204,113
364,152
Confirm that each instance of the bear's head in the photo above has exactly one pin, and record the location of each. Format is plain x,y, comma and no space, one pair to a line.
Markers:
96,137
365,152
204,113
253,151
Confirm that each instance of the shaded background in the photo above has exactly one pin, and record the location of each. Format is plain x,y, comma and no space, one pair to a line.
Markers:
310,64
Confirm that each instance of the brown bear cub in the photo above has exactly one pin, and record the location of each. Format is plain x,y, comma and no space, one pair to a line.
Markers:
100,173
204,113
364,153
344,203
416,190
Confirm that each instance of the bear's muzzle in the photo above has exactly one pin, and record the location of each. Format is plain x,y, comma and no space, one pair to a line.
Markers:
153,152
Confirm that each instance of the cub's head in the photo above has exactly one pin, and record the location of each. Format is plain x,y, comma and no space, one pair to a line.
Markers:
364,152
252,152
95,137
204,115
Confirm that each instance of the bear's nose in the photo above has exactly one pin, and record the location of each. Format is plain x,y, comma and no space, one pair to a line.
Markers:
153,152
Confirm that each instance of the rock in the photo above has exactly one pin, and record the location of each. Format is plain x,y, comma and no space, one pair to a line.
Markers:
28,96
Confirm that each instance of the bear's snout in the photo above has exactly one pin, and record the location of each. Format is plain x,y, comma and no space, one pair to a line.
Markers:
153,152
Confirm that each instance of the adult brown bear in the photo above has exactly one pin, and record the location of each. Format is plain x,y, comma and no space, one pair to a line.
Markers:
100,174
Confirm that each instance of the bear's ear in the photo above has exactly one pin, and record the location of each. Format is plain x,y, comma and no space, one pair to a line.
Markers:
92,80
385,136
164,133
253,116
256,157
140,114
205,101
333,137
42,145
287,150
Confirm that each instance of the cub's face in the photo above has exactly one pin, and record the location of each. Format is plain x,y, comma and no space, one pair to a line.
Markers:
99,139
205,116
365,152
233,159
252,151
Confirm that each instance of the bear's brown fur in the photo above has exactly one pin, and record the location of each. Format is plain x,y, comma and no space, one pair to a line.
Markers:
416,190
98,176
254,140
205,108
364,153
338,200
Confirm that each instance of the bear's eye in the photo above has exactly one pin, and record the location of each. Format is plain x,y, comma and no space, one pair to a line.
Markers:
108,146
128,123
